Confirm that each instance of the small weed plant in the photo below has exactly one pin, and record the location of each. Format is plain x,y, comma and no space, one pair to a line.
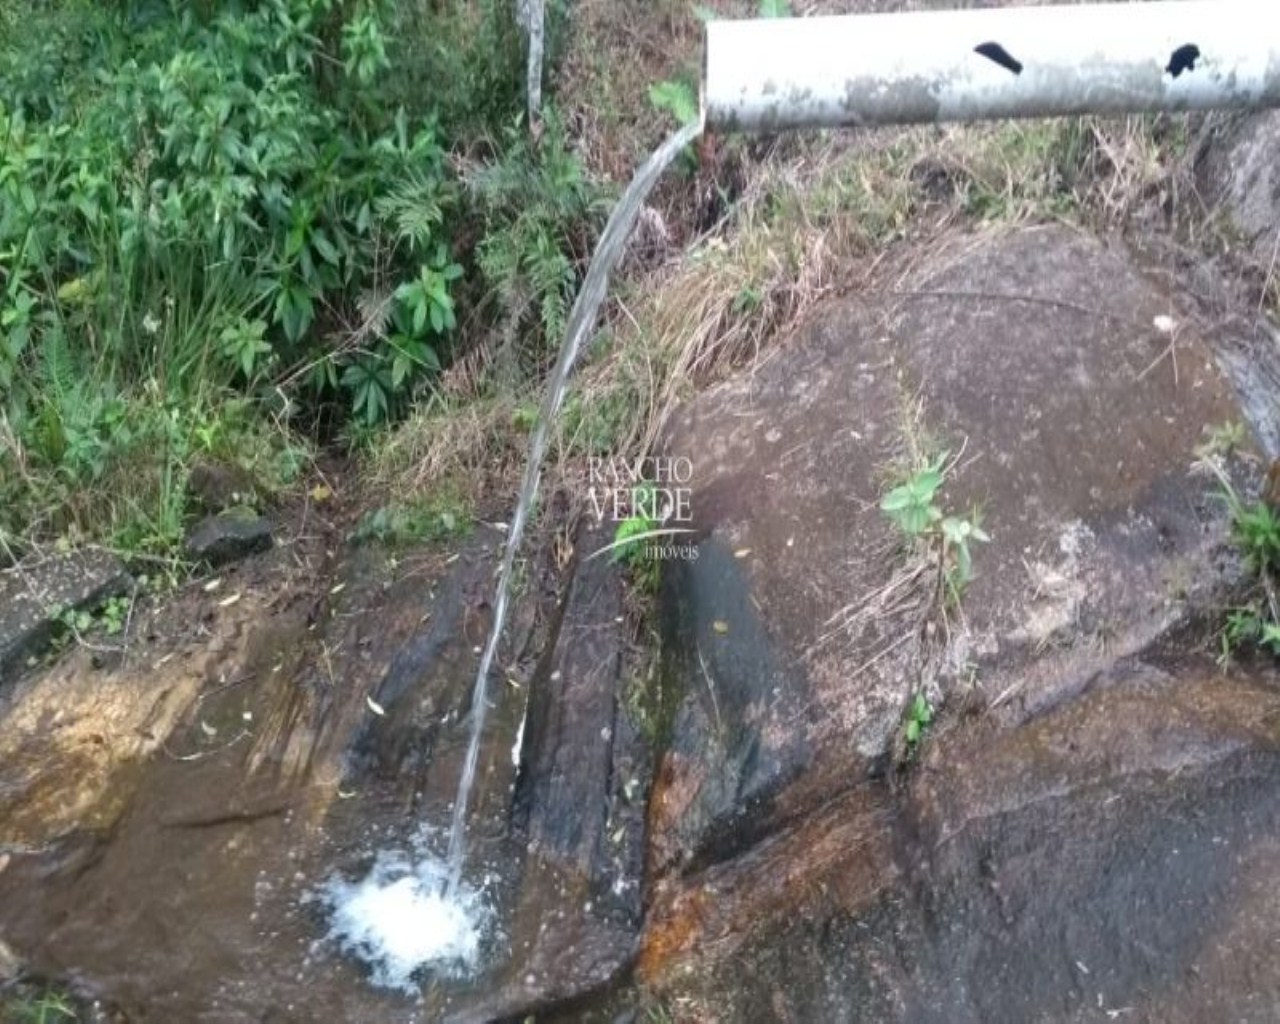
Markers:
48,1008
914,507
918,719
1255,530
631,542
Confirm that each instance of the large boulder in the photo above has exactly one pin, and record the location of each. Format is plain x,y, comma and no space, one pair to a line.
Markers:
1090,828
1071,394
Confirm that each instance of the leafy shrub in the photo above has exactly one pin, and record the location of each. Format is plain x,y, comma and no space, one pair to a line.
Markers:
214,213
214,180
198,199
540,213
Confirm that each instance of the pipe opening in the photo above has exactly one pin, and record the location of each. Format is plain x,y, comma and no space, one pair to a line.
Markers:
999,55
1183,59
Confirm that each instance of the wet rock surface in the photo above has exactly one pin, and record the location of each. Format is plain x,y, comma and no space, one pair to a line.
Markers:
1114,860
165,826
578,807
34,594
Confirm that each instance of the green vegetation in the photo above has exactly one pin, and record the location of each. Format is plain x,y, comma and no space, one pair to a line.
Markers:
677,97
110,617
1256,532
631,542
918,719
914,508
539,214
48,1007
414,522
231,229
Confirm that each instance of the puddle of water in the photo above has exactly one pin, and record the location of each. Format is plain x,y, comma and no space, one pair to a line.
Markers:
404,921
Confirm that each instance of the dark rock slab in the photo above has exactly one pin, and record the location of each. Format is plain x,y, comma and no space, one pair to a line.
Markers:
578,809
34,594
1116,859
227,537
785,465
720,647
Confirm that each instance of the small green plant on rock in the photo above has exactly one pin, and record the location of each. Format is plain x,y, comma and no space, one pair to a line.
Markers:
1256,533
919,718
46,1008
1222,440
913,506
108,618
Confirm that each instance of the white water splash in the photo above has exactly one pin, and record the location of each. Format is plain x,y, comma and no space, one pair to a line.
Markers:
399,920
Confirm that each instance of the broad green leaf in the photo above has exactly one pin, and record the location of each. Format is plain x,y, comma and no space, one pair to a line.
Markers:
897,499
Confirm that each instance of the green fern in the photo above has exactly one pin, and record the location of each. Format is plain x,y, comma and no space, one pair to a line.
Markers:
413,208
58,371
539,211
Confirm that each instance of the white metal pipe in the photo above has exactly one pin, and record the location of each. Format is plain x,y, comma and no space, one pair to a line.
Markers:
868,69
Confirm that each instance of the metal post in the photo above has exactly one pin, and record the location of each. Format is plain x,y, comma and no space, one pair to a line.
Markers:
532,16
928,66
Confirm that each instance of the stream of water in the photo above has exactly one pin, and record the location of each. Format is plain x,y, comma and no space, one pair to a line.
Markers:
582,320
413,910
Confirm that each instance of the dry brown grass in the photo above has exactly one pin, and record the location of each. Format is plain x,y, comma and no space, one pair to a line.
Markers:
797,235
616,50
472,447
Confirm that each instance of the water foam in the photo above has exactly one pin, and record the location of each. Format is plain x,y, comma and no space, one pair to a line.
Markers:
399,921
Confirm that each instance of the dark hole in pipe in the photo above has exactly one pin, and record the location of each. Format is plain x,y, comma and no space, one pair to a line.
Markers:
997,53
1184,59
